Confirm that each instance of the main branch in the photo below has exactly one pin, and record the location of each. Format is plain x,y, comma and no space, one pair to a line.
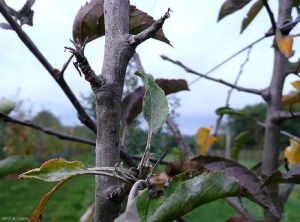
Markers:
274,105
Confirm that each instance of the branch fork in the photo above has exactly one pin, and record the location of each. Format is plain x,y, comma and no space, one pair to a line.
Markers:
135,40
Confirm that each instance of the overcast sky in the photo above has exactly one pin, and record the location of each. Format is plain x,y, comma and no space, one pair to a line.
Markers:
199,42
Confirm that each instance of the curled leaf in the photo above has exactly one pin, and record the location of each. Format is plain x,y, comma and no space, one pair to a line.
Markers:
56,170
292,152
204,140
89,22
231,6
252,13
284,43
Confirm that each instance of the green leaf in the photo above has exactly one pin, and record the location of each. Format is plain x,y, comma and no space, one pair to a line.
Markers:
231,6
56,170
239,142
132,104
16,164
227,110
252,13
181,196
155,104
6,106
89,22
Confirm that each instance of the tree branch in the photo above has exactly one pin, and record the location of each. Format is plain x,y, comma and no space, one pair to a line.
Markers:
283,115
286,28
135,40
48,131
235,202
284,195
271,15
282,132
219,120
123,152
187,69
179,140
55,73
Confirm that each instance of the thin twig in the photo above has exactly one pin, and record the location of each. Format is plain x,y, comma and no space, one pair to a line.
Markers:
271,15
153,160
159,160
284,28
187,69
179,139
228,59
48,131
219,120
150,32
235,202
138,63
63,69
123,152
55,73
282,132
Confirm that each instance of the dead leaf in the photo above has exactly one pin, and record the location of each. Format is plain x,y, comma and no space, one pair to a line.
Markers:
284,43
89,22
183,166
292,152
159,181
291,98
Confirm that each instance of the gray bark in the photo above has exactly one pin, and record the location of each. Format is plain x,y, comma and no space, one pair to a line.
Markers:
108,103
272,130
119,48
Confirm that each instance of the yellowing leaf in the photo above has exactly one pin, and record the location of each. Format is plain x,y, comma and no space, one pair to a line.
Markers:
292,152
204,140
204,148
291,98
202,135
296,84
284,43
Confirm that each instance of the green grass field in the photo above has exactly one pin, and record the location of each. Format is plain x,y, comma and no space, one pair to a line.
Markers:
19,198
